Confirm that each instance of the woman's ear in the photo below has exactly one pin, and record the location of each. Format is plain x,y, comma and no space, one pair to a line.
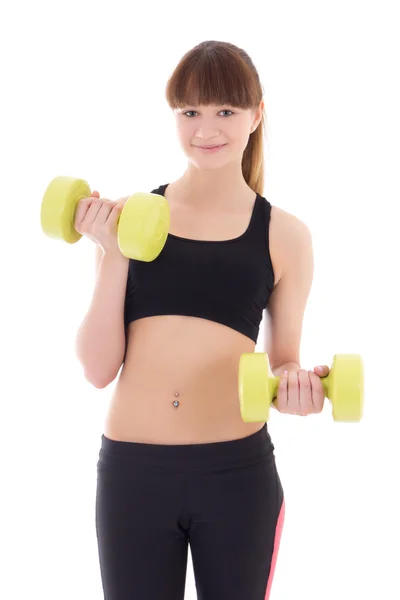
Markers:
258,113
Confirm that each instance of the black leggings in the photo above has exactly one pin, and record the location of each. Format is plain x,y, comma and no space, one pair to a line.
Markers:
225,499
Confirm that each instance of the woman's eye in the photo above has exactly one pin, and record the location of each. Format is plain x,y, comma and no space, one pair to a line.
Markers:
193,111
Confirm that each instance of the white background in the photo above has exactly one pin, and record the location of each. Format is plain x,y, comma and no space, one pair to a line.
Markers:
83,95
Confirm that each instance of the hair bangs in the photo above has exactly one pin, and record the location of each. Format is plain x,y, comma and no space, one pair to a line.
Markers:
212,78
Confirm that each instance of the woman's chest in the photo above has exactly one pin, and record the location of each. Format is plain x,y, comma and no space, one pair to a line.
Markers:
207,225
204,226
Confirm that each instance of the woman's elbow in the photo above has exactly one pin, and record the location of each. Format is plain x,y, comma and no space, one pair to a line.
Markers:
101,380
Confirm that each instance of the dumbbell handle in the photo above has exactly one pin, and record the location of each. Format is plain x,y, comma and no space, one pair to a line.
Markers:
275,385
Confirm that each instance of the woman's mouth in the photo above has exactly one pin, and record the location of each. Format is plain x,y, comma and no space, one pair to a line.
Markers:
210,149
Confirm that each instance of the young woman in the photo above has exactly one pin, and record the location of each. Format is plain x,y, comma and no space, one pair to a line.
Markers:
177,463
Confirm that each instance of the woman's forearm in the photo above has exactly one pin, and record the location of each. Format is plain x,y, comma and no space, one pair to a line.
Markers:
100,341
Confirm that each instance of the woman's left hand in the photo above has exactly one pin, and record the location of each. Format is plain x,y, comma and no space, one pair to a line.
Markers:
301,393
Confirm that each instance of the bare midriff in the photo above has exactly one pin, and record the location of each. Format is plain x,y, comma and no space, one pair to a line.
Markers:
179,383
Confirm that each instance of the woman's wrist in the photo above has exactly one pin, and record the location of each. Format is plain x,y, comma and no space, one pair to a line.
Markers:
114,254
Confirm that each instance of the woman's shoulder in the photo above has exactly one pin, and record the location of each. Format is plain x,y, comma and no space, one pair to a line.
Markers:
287,233
287,222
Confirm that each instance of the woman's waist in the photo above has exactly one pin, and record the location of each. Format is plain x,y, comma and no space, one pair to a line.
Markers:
178,398
152,382
160,412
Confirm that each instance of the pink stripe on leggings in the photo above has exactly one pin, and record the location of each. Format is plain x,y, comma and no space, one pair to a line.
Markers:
278,534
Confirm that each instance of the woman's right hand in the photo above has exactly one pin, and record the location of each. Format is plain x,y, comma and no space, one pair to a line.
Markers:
97,219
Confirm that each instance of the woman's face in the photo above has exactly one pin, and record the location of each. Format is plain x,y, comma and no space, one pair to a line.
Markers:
224,125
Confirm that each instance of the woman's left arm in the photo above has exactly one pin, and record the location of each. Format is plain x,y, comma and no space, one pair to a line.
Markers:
292,241
300,391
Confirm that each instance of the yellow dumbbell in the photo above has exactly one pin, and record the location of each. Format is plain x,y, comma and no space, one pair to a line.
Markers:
143,224
343,386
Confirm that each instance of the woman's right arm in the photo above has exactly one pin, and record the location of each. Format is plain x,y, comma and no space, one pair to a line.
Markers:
100,341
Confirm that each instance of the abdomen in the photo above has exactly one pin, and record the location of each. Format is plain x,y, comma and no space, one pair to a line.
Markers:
188,361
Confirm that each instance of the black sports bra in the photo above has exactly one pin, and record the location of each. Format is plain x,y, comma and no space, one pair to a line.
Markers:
228,281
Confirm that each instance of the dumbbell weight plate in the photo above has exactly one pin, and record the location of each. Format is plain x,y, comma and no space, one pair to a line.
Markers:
257,386
346,387
59,205
143,226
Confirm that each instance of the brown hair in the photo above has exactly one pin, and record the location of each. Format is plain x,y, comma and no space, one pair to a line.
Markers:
220,73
